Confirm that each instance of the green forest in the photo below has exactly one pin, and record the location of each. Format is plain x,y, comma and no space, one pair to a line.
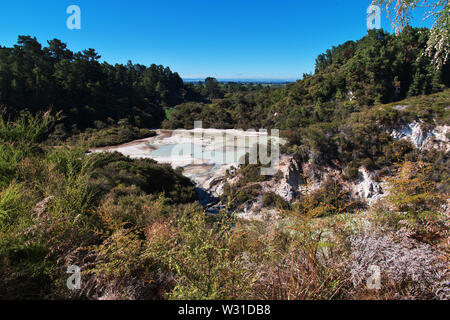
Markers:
136,227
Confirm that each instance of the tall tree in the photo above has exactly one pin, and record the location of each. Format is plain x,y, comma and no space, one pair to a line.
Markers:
212,88
401,11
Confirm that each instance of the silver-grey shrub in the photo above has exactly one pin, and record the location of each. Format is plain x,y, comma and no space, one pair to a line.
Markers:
412,267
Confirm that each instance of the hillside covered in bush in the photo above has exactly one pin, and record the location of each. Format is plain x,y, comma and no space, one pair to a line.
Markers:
89,93
136,231
136,228
379,68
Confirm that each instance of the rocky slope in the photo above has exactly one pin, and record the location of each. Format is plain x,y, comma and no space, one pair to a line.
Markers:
293,180
297,179
423,139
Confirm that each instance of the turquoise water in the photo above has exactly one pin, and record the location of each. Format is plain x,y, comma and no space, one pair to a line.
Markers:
163,152
199,152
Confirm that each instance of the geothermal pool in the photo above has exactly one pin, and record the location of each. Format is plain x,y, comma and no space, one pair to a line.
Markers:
204,154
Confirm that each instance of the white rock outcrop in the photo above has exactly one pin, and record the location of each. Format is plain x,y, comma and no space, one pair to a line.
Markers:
366,187
424,139
288,186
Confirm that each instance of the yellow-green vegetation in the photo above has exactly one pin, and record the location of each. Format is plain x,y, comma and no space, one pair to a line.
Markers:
428,108
49,198
135,229
168,113
415,196
330,199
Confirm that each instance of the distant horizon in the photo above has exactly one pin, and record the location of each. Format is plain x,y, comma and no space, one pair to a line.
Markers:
243,80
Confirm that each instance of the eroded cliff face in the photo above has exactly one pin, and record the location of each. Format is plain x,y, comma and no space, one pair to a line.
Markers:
424,139
309,177
366,187
287,183
295,180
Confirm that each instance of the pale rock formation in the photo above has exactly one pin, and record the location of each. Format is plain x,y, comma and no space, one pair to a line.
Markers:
366,188
424,139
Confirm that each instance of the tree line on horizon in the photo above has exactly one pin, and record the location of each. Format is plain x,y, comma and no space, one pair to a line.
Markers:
340,115
379,68
94,94
36,78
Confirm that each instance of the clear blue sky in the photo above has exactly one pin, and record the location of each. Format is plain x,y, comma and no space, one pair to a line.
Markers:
197,38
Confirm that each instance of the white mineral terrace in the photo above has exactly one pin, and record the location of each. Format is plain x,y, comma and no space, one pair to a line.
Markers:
204,154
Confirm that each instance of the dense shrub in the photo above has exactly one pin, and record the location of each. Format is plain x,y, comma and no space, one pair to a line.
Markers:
329,199
108,137
112,169
409,269
55,201
273,200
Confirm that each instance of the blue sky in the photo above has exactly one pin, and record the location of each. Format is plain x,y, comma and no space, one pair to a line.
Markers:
198,38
